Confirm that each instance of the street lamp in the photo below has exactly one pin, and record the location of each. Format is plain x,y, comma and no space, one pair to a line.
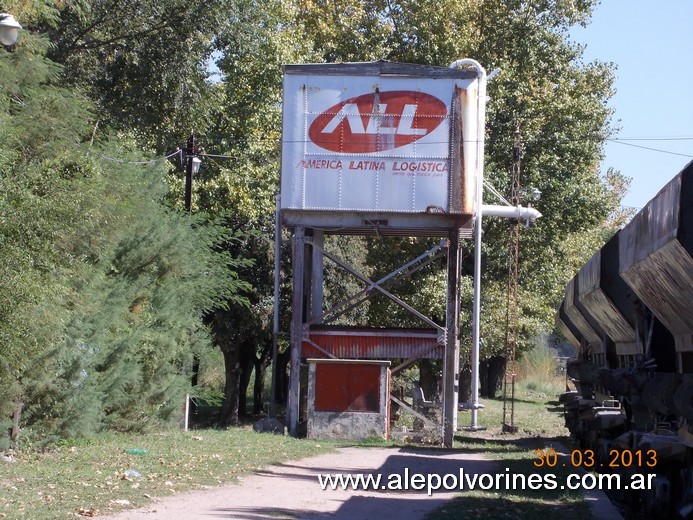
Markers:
196,162
9,29
533,193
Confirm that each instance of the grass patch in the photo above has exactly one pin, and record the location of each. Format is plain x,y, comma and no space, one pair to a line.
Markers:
89,477
539,421
534,415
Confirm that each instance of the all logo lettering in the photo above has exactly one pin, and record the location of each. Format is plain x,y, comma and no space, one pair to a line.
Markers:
377,122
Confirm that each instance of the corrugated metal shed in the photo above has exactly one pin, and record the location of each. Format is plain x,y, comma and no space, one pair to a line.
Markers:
372,343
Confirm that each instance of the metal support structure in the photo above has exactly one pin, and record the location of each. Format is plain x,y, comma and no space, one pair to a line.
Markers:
365,294
452,347
307,310
277,299
302,215
316,295
297,304
411,410
383,291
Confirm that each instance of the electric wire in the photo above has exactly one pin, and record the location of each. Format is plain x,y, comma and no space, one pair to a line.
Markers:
618,140
622,141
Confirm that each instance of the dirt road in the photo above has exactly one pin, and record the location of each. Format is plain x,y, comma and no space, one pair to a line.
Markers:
292,491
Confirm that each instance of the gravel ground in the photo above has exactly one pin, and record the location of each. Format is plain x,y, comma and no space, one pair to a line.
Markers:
292,491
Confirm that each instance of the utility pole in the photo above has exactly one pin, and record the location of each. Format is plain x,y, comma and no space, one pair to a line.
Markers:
192,163
190,151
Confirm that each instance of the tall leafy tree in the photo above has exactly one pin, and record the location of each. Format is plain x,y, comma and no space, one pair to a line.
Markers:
102,285
39,121
257,41
144,64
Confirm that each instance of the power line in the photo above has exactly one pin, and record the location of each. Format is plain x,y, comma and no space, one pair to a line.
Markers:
652,139
138,163
617,140
620,141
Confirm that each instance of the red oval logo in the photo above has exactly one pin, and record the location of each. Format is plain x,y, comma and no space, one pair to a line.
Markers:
377,122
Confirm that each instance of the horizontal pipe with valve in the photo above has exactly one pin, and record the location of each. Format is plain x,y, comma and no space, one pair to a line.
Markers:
515,212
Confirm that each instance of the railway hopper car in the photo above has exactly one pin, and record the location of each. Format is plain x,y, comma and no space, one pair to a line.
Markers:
629,313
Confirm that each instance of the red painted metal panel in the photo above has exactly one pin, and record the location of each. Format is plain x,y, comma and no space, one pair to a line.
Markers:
347,388
371,343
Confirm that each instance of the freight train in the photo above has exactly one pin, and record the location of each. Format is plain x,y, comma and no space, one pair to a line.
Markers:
629,313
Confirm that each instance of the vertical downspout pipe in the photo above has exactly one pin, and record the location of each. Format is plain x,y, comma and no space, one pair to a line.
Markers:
481,130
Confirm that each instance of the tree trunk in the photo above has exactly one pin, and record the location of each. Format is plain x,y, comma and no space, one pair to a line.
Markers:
229,407
261,364
193,383
429,379
222,331
247,360
491,374
17,417
465,395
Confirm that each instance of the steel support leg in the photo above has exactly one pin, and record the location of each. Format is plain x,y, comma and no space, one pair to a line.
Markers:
294,397
452,348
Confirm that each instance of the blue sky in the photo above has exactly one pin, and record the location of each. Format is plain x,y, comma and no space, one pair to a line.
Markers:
650,42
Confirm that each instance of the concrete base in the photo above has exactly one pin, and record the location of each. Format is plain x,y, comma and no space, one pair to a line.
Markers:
346,425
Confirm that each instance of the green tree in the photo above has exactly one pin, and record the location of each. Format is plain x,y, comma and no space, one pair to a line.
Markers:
136,327
245,126
102,285
38,123
146,68
144,64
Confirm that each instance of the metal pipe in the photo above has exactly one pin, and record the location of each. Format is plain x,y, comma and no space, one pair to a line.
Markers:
516,212
452,346
481,110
